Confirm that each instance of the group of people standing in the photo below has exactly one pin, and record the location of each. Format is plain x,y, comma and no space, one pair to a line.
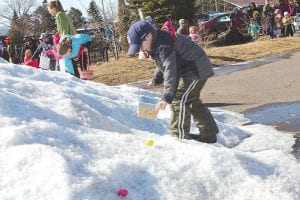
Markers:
279,17
63,49
33,53
275,19
14,53
191,31
69,45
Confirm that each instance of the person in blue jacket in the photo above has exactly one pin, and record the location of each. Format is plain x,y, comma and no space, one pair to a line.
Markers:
70,49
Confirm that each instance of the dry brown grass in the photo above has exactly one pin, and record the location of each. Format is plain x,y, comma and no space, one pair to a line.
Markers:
128,70
252,50
124,70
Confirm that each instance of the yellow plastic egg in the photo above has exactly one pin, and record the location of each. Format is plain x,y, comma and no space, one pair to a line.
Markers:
149,142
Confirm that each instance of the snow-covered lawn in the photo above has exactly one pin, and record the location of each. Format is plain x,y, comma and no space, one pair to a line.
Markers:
64,138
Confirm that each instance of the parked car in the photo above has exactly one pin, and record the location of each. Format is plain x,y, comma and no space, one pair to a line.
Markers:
297,22
201,17
214,13
206,16
217,24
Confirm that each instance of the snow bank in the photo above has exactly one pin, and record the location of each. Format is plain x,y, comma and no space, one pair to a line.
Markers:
63,138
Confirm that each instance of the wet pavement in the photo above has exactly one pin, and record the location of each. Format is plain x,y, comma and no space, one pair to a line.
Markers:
226,69
283,116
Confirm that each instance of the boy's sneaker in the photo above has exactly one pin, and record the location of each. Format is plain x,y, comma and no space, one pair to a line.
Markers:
203,139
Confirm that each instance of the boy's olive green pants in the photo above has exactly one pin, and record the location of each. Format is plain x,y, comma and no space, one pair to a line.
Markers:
186,103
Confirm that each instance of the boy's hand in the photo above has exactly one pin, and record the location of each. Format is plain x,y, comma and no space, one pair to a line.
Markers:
150,83
161,105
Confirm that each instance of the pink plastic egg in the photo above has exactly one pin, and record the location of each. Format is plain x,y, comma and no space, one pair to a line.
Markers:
122,192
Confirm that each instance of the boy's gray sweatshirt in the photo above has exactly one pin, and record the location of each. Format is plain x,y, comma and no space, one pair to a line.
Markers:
184,59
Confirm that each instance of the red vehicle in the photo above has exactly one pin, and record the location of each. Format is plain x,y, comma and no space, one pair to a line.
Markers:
217,24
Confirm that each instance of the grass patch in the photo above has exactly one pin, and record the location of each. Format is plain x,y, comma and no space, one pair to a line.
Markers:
128,70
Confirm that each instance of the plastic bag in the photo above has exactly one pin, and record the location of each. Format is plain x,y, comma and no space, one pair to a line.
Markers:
44,62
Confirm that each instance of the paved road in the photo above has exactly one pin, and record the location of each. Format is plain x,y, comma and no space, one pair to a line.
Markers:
258,89
239,91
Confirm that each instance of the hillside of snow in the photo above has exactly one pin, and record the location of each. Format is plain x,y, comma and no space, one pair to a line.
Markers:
66,139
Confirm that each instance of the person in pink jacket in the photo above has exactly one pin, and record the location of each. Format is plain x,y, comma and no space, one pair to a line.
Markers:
29,61
167,26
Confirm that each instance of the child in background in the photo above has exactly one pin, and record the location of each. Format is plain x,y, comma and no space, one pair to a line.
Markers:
64,25
193,30
167,26
278,26
29,61
57,57
69,49
183,27
253,28
287,21
63,21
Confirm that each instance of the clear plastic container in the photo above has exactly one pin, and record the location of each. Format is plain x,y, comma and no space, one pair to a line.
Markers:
146,107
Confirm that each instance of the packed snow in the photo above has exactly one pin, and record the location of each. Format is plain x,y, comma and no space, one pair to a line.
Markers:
67,139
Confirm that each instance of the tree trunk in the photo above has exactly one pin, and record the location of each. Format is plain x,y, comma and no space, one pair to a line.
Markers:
123,24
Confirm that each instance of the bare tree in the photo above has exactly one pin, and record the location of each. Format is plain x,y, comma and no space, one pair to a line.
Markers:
104,17
111,26
204,6
124,19
22,8
110,10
